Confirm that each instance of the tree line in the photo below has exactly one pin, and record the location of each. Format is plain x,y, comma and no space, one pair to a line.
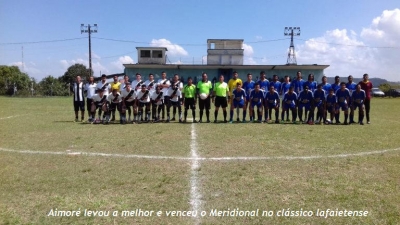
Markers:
15,82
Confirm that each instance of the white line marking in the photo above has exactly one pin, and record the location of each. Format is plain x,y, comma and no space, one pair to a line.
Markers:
198,159
8,117
195,196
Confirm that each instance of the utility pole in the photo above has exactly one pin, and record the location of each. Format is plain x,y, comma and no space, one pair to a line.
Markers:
89,29
291,31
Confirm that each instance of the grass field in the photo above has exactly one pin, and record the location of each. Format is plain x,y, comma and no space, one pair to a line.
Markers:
49,162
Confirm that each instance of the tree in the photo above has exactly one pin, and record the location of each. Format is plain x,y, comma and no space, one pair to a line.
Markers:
51,86
10,77
73,71
385,87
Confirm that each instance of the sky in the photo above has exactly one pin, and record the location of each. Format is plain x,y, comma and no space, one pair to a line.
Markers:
353,37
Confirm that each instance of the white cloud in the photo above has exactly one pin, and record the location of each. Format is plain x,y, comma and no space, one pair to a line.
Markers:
258,37
97,67
173,49
343,51
122,60
248,50
29,68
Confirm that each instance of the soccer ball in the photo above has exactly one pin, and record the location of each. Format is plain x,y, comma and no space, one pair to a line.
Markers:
203,96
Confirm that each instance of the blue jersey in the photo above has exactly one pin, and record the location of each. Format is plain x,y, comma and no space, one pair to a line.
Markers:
264,85
319,96
248,86
239,95
298,85
343,95
351,86
305,97
326,87
330,100
336,87
312,85
285,87
257,97
290,98
358,97
277,85
272,98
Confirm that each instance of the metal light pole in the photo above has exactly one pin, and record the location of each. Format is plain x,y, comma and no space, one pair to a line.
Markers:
291,31
89,29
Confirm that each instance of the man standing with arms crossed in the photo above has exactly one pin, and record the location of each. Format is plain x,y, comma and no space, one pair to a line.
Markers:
366,85
204,87
248,86
90,89
164,84
79,101
221,91
189,99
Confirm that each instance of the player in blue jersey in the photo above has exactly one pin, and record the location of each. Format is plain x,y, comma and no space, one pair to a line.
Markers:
275,82
325,85
256,99
272,101
330,105
357,101
248,86
343,99
264,83
351,85
319,103
289,103
311,83
305,100
285,88
298,83
337,84
239,96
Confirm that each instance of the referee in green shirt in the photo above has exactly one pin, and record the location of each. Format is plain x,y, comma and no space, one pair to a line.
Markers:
221,91
204,87
189,99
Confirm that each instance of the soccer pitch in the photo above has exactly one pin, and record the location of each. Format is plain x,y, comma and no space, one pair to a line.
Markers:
55,171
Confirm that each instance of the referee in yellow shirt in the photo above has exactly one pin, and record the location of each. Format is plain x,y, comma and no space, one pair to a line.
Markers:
232,84
221,91
189,99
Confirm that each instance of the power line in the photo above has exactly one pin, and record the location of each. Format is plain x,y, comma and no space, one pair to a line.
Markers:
38,42
359,46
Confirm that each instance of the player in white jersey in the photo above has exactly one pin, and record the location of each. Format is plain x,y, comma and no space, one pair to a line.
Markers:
143,98
90,89
157,102
128,101
174,94
115,100
123,83
79,98
176,83
151,86
104,85
164,83
99,102
137,84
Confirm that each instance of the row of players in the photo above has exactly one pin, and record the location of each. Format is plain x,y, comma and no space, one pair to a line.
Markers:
144,99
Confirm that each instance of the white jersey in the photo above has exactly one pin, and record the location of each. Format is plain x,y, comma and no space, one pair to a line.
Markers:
154,96
106,87
145,95
137,85
174,98
114,98
125,93
78,92
96,98
164,81
151,85
91,90
180,86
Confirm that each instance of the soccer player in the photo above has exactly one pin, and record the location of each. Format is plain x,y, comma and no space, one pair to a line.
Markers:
298,83
336,85
151,86
256,99
104,85
367,86
220,92
232,84
343,99
116,85
137,84
275,82
123,84
128,100
357,101
264,83
325,85
99,102
157,101
176,83
189,99
238,95
164,83
143,98
285,88
351,85
204,87
312,85
115,100
174,94
272,102
305,100
331,105
319,103
289,103
79,98
90,89
248,86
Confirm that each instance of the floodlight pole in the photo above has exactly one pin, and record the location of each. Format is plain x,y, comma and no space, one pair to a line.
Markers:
89,29
291,31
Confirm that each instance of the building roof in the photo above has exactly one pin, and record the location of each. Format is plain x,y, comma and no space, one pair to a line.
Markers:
155,48
211,40
190,66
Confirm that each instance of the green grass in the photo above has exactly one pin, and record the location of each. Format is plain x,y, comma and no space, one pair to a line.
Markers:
32,184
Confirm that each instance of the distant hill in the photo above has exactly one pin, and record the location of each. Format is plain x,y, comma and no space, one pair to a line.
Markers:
375,81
